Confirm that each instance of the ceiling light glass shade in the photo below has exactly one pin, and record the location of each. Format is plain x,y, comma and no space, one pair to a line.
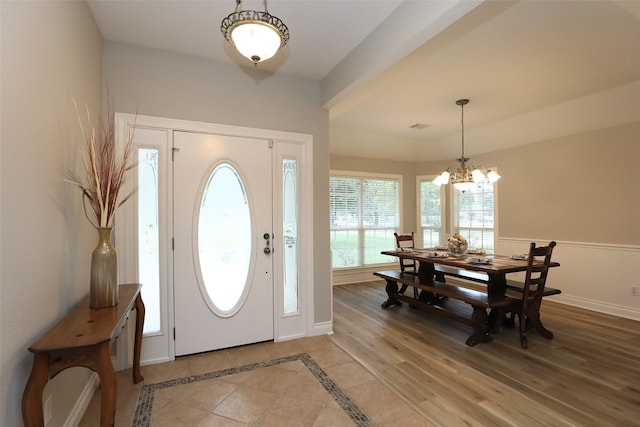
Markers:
256,35
477,176
493,176
442,179
256,40
463,186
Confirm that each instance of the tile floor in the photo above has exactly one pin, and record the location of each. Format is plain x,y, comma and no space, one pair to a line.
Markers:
285,394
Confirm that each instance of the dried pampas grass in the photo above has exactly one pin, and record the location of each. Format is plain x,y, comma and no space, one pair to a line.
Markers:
104,169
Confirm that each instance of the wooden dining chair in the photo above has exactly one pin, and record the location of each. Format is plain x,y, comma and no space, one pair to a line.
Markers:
408,266
406,242
526,304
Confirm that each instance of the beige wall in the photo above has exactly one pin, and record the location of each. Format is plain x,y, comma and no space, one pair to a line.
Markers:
175,86
582,188
51,53
579,188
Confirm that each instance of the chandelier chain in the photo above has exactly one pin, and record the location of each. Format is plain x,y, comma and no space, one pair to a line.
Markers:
462,123
465,176
462,103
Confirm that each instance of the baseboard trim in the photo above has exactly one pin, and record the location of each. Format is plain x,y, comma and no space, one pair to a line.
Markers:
347,276
78,410
323,328
288,337
597,306
156,361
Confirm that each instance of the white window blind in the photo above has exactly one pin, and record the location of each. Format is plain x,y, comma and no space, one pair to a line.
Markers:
430,199
365,212
473,215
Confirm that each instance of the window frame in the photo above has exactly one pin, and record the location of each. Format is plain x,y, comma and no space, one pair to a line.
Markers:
454,217
361,230
443,211
449,212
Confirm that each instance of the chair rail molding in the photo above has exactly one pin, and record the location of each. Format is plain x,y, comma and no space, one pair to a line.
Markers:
595,276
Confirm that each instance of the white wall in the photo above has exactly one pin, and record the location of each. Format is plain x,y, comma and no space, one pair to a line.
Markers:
160,84
51,52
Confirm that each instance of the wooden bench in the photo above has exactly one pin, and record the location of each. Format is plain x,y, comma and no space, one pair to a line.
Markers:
475,276
479,301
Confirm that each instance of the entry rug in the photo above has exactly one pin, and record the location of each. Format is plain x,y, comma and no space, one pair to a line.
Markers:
142,417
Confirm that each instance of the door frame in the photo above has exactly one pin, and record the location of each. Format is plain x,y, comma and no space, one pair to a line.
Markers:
159,347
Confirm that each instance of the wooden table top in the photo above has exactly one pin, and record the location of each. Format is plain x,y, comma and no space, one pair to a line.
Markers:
85,326
500,264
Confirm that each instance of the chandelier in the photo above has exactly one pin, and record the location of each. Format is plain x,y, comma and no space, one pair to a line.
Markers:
465,176
256,35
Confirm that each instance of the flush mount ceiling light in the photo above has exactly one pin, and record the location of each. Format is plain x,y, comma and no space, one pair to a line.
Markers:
464,177
256,35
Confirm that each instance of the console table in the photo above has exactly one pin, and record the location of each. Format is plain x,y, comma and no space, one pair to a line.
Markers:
83,338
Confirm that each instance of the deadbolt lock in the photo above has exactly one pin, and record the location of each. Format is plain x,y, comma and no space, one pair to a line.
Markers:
267,237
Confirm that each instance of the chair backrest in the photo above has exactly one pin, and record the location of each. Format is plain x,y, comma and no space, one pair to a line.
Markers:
537,269
404,242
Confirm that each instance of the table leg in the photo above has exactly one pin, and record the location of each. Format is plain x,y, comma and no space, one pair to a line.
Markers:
430,298
137,346
498,318
480,327
496,284
427,272
32,398
107,375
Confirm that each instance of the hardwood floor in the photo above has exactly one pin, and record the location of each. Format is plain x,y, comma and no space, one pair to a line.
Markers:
588,375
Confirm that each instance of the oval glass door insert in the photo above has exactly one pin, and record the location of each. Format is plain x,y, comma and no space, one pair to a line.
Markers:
224,241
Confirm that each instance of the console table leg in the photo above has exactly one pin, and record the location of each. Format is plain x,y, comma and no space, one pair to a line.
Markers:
32,398
140,311
107,375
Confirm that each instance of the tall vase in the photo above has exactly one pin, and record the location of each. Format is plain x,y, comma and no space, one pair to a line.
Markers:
104,272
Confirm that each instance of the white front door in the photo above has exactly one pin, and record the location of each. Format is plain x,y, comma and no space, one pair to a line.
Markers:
223,279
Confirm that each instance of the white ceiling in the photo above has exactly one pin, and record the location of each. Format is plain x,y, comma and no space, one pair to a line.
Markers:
533,70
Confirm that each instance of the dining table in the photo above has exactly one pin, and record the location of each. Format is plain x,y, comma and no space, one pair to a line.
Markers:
489,270
496,267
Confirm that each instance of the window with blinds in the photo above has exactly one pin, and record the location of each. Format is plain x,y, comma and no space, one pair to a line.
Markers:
473,215
365,212
431,202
